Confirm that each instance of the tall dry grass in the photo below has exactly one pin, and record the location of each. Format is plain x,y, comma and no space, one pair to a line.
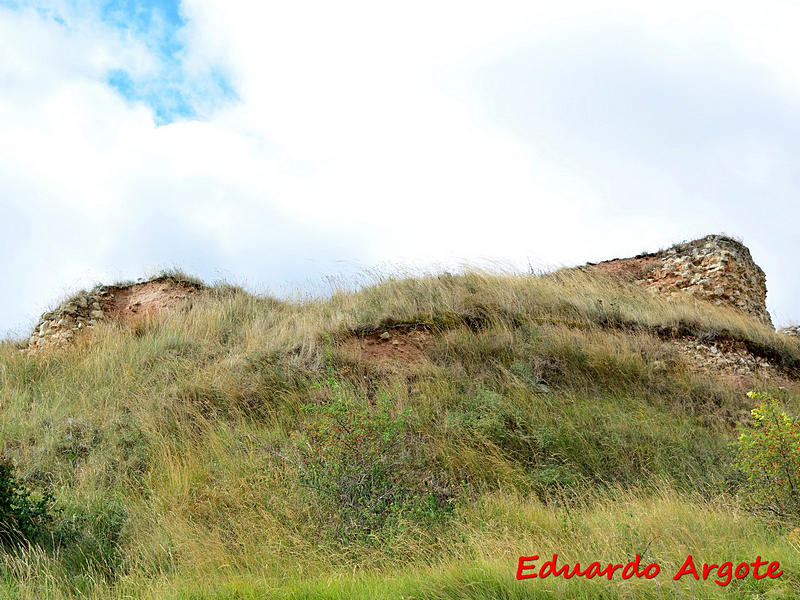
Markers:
560,418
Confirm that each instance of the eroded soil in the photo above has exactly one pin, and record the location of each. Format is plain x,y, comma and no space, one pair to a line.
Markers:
130,303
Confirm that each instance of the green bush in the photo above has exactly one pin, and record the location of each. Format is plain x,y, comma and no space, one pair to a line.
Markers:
364,466
22,519
768,454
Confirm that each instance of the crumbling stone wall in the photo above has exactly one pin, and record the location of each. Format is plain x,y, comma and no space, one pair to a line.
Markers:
60,326
715,268
121,303
792,330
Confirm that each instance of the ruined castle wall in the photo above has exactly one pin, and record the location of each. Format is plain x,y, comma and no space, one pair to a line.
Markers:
793,330
59,326
121,303
715,268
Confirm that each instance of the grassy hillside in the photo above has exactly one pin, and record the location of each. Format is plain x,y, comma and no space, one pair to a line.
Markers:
548,414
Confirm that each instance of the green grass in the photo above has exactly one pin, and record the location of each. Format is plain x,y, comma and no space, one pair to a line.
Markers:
550,406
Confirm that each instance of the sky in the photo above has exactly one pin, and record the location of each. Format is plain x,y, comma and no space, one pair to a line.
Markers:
278,145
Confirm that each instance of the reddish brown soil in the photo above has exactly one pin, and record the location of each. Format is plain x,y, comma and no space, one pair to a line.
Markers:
634,268
130,303
399,346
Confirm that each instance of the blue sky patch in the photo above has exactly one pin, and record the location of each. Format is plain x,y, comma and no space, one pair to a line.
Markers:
167,90
167,99
155,21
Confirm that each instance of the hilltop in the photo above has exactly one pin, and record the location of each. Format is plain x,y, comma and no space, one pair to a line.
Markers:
715,268
587,412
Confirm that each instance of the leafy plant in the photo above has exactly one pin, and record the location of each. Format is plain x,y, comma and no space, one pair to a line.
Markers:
768,453
364,465
22,519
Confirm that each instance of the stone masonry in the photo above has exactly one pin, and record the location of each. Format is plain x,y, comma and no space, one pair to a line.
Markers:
60,326
120,303
715,268
792,330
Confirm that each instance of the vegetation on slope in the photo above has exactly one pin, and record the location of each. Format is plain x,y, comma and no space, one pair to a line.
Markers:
550,415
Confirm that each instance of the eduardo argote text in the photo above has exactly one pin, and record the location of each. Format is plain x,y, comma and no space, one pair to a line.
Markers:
530,567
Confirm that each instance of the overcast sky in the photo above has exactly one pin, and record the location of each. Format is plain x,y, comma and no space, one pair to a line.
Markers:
274,143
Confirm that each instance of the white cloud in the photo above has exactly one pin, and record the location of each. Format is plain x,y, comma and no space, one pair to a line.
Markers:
368,132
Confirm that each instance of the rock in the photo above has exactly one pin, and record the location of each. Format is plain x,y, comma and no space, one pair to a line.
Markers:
385,336
791,330
96,314
716,267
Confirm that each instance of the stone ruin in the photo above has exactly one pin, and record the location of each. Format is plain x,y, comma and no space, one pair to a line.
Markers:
716,268
122,303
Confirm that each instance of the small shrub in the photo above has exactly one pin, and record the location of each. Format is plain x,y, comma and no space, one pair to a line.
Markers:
768,454
22,519
364,466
